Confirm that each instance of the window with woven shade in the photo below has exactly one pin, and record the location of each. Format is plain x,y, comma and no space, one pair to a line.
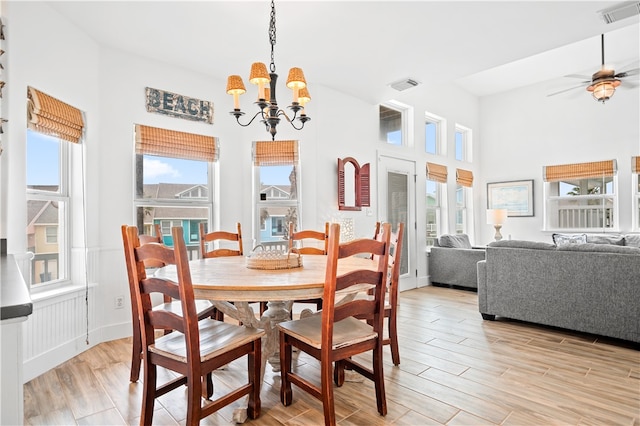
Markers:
174,182
581,196
463,213
276,189
436,195
635,176
54,130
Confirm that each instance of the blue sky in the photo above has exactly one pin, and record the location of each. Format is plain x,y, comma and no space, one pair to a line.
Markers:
42,166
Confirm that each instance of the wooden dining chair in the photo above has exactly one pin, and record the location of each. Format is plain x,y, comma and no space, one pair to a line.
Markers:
391,298
204,307
302,237
335,335
215,237
211,239
195,348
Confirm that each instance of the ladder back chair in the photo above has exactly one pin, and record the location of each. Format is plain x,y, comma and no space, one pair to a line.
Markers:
335,335
301,236
215,237
204,307
391,299
195,348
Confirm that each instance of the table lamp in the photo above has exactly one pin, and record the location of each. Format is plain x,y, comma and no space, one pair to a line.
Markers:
496,217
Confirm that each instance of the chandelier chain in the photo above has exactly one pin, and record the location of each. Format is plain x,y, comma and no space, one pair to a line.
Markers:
272,35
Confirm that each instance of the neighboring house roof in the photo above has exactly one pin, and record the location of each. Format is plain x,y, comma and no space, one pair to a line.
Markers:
171,191
284,189
41,213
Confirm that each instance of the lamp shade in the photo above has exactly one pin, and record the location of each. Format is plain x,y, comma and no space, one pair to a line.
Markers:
603,90
496,216
296,79
303,96
235,86
259,73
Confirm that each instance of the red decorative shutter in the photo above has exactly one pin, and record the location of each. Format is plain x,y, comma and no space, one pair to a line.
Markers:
365,186
340,182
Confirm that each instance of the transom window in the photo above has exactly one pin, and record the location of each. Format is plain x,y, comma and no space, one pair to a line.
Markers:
395,126
434,134
462,143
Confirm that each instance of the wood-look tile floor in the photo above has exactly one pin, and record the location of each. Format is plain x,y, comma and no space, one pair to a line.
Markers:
456,369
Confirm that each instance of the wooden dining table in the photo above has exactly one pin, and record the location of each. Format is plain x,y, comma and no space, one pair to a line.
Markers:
230,285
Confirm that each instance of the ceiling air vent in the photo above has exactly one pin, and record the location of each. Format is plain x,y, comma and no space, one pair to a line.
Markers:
620,11
404,84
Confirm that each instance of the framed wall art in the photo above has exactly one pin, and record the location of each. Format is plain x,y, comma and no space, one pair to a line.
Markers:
515,196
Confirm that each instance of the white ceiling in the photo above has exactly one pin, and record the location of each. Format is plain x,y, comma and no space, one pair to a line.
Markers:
359,47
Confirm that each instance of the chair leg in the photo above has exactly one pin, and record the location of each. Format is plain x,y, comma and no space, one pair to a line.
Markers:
149,394
194,393
338,373
393,338
327,392
136,355
253,370
378,375
286,395
207,386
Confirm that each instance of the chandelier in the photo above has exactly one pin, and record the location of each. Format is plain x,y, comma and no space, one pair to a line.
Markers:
268,109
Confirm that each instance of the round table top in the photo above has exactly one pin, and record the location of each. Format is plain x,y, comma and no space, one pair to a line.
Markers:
228,278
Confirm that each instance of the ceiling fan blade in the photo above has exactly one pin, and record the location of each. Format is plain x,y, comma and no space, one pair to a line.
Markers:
628,73
566,90
584,77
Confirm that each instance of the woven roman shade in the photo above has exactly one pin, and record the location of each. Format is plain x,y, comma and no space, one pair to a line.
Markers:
171,143
635,164
275,153
437,172
464,177
580,170
50,116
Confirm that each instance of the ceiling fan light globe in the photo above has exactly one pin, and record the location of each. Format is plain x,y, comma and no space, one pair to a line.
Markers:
603,90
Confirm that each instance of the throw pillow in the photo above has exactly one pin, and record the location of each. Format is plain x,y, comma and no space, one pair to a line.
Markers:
562,239
454,241
614,239
632,240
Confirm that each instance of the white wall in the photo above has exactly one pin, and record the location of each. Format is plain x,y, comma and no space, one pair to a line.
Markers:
524,130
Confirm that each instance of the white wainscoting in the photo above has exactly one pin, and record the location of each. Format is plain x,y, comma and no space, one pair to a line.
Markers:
59,327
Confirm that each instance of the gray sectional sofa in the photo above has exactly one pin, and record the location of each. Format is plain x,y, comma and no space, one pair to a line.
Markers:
588,287
452,261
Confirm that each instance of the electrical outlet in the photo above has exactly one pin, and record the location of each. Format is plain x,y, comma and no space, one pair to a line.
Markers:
119,302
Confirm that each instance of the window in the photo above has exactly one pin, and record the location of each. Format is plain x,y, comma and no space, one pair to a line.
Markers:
395,127
436,185
462,143
464,207
174,184
581,196
54,130
47,207
276,190
433,134
635,175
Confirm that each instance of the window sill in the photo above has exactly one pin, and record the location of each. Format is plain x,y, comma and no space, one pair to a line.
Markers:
47,294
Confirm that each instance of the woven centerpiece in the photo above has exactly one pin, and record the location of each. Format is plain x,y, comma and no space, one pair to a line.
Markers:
272,259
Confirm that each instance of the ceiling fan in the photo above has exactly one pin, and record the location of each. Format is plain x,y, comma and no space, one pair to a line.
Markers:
603,83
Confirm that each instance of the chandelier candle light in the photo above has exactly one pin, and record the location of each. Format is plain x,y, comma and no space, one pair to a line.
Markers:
267,104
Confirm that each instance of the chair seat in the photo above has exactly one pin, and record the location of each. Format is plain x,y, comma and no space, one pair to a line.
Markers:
176,307
346,332
216,337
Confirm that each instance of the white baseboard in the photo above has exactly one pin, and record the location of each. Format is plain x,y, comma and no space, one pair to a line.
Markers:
50,359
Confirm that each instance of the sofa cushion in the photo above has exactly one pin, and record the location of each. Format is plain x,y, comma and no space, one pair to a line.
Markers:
632,240
534,245
602,248
562,239
614,239
454,241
